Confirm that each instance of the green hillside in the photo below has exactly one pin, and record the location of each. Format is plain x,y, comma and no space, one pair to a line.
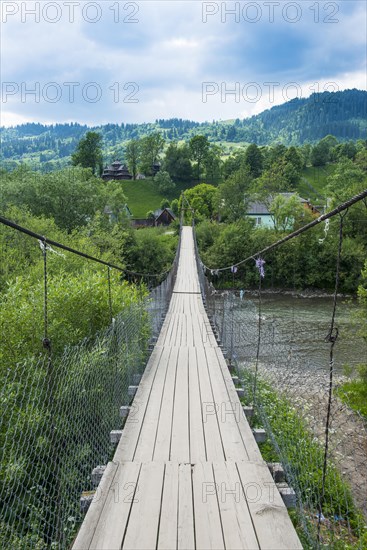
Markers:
314,180
141,196
299,121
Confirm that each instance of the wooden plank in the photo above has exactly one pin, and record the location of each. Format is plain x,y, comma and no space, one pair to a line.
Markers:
175,331
185,527
273,526
184,331
243,425
229,411
167,538
142,528
130,435
191,319
208,528
115,515
169,330
164,429
238,530
165,493
197,438
180,442
146,442
213,440
89,525
180,333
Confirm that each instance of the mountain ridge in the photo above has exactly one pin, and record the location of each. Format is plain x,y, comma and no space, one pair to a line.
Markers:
295,122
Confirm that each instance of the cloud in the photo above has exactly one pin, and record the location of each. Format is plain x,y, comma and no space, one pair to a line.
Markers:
169,51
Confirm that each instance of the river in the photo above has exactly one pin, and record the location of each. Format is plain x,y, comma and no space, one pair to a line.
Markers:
295,359
293,330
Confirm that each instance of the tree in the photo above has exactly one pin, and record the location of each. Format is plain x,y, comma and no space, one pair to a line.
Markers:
177,162
199,147
362,295
70,196
305,151
233,195
294,157
321,152
347,150
361,160
150,149
254,159
202,199
234,162
165,204
115,200
213,163
271,181
132,156
88,153
150,251
164,183
347,180
174,206
286,211
274,154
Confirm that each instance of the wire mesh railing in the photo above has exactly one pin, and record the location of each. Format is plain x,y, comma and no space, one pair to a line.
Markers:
280,348
292,400
57,413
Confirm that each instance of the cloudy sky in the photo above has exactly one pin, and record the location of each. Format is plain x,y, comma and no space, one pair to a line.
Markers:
111,61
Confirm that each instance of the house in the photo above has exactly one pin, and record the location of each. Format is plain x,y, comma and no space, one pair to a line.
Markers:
164,216
259,212
116,171
138,223
125,210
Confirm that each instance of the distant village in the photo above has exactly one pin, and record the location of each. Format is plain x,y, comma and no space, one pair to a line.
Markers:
258,211
161,216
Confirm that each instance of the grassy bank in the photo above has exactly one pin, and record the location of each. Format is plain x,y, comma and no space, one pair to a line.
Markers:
354,392
302,455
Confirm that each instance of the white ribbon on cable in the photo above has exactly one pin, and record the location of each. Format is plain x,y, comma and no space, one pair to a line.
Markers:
326,229
47,247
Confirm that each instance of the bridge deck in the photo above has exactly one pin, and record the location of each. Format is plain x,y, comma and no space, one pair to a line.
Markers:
187,473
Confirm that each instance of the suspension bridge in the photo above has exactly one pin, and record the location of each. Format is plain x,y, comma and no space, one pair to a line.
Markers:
187,472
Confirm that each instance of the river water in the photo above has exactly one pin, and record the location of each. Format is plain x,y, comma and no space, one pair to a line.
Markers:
294,359
293,330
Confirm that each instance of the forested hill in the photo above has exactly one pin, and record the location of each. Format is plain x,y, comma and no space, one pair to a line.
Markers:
342,114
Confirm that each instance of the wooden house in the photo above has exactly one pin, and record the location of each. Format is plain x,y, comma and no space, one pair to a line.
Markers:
116,171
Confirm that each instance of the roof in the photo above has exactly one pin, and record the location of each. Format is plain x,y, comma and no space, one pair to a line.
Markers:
116,167
160,211
258,207
108,210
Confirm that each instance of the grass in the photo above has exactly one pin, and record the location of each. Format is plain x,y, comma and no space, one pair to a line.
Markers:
354,394
344,526
142,196
316,176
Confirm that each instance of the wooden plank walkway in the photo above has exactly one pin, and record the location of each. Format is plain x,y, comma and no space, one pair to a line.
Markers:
187,473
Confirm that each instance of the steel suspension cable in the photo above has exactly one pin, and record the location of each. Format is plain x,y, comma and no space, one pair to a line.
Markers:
341,208
331,337
56,244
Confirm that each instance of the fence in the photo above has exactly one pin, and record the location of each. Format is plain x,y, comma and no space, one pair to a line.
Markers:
289,358
57,415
